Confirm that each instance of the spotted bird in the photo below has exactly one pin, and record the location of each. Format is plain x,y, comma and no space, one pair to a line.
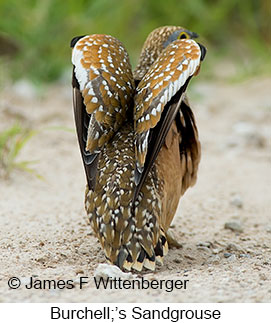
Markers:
138,139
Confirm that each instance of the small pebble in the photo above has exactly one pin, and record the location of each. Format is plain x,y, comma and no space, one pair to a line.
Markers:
213,260
236,201
262,276
215,251
204,249
244,255
189,257
232,258
227,254
84,249
25,280
77,280
206,244
234,247
111,271
234,226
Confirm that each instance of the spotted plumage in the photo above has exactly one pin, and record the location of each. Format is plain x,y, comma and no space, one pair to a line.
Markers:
103,72
137,137
166,76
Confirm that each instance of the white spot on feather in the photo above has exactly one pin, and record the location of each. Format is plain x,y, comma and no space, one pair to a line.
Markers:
154,112
90,91
96,135
162,99
180,67
159,107
148,97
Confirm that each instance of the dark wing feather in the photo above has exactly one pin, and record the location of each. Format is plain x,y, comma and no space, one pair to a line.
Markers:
158,135
82,118
190,148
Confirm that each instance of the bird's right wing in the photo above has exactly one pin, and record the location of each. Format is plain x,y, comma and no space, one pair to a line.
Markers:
103,91
159,96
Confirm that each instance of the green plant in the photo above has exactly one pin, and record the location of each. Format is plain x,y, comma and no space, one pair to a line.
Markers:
12,142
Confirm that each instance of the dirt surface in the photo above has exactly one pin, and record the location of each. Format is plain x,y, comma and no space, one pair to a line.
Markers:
223,222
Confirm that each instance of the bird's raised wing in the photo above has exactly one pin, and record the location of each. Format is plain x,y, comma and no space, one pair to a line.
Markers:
103,91
159,95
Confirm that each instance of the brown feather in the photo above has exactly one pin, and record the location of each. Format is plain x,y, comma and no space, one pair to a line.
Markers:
131,208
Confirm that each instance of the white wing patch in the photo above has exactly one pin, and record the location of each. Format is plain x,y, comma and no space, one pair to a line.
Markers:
167,75
80,72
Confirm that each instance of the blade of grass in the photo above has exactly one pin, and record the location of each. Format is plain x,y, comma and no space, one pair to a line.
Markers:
20,143
24,166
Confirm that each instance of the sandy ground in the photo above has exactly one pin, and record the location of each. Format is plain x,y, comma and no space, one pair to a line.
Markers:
43,226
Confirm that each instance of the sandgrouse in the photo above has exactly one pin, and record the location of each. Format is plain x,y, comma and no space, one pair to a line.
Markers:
138,139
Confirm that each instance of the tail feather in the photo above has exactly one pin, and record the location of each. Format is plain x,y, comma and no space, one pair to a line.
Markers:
131,234
144,260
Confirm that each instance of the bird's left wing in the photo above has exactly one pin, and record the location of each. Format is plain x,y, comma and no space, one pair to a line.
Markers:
103,91
159,94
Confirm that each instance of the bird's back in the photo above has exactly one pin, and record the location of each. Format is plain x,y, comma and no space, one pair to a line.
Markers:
130,233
